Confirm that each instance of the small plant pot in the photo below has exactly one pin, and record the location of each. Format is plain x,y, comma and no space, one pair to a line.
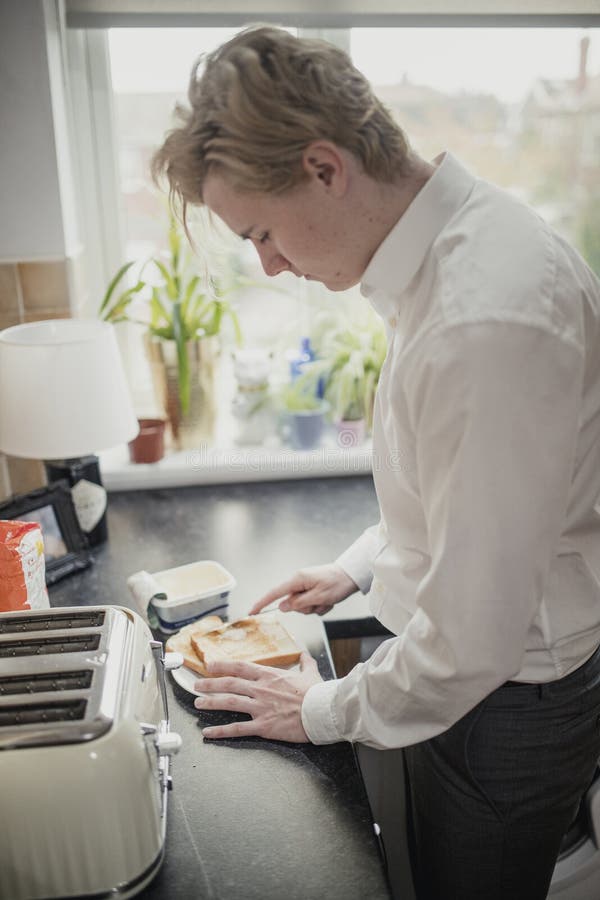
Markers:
304,429
350,432
149,445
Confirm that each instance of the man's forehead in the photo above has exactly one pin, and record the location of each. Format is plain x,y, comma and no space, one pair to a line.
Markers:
215,192
236,208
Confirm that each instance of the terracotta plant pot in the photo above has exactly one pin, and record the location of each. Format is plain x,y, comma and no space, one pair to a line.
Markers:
149,445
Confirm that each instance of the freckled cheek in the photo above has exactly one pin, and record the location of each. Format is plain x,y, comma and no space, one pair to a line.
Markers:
313,246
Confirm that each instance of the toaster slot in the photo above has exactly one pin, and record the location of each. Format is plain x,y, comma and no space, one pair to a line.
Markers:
39,646
44,682
52,622
39,713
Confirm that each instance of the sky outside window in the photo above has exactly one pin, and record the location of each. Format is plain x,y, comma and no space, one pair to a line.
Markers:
507,101
501,61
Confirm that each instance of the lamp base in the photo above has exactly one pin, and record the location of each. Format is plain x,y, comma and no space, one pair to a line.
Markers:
87,490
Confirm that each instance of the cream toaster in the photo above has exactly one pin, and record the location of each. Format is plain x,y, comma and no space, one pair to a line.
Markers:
85,752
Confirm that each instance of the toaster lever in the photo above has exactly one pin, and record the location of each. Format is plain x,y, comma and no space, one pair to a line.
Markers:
148,728
157,652
168,743
172,661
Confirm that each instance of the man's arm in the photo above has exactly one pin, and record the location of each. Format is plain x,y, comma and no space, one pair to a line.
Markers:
495,411
316,589
357,561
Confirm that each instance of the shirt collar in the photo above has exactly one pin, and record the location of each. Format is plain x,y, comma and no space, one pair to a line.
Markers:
401,253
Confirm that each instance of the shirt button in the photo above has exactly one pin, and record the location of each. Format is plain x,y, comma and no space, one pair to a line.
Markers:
393,321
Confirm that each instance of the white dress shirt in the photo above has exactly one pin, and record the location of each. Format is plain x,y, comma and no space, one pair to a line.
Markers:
486,461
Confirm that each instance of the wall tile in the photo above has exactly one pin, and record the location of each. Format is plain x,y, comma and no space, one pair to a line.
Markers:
37,315
5,489
8,321
10,307
25,474
44,287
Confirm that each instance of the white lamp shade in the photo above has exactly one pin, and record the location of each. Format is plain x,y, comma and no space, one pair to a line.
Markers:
63,391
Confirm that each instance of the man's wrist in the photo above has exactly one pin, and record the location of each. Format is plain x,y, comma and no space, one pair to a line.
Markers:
356,569
318,715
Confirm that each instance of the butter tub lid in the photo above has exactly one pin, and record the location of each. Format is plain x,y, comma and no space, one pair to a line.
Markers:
193,581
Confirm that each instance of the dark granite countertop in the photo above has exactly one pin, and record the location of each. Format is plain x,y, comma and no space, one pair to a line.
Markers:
248,818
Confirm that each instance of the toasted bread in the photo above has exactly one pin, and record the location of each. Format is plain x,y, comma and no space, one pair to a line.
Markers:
181,642
257,639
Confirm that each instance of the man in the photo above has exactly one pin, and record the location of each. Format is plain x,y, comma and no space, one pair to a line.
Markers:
486,431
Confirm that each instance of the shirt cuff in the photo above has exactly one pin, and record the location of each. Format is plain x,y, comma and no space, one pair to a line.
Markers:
356,562
318,717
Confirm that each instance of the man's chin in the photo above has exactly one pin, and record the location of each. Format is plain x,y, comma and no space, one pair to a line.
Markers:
337,286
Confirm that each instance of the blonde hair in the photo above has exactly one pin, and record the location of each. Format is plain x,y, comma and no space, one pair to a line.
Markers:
258,101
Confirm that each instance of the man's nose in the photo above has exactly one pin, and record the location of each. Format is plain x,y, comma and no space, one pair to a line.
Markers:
273,263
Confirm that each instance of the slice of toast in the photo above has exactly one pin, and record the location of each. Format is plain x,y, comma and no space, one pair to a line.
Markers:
257,639
182,643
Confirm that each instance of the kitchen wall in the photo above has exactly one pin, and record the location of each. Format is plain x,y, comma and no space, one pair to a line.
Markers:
30,291
42,263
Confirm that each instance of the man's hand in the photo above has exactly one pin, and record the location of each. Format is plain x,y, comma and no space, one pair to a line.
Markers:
313,590
273,697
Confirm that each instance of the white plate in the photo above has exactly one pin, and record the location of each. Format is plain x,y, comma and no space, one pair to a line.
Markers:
185,678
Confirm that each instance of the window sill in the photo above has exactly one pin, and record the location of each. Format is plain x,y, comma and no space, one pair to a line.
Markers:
218,465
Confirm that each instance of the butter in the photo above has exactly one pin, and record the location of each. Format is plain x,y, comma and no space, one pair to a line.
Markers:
192,580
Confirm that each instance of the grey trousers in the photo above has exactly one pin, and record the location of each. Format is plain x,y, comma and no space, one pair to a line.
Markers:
491,798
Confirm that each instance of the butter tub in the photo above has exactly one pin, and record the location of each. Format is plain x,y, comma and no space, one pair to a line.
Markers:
190,592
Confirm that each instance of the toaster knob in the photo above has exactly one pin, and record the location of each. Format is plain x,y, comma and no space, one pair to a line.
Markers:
172,660
168,743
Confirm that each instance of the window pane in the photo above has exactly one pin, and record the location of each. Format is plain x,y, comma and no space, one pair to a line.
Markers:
150,70
520,107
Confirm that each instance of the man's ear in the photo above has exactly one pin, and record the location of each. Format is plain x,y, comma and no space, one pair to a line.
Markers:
326,163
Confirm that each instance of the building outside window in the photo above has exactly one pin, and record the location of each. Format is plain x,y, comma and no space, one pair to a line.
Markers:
519,106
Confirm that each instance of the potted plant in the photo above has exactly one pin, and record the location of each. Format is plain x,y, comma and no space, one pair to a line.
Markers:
350,360
350,388
183,313
304,413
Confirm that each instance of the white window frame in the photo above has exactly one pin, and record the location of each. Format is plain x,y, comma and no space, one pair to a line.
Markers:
341,14
98,181
96,159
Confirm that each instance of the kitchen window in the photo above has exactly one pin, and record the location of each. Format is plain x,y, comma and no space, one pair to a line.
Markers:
518,105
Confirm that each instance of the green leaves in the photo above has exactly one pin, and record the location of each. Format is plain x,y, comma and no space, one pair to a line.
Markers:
300,395
179,307
351,357
183,363
118,310
171,279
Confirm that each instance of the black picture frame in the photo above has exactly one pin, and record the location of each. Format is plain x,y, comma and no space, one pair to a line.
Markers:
65,544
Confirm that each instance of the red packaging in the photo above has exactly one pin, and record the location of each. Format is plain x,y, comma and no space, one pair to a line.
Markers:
22,566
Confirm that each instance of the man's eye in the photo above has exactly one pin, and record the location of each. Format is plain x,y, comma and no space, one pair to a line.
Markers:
264,237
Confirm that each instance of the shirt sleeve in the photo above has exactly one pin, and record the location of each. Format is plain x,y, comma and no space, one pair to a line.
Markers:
357,561
494,410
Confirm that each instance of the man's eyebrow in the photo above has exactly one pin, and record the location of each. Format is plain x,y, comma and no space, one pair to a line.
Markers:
246,234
